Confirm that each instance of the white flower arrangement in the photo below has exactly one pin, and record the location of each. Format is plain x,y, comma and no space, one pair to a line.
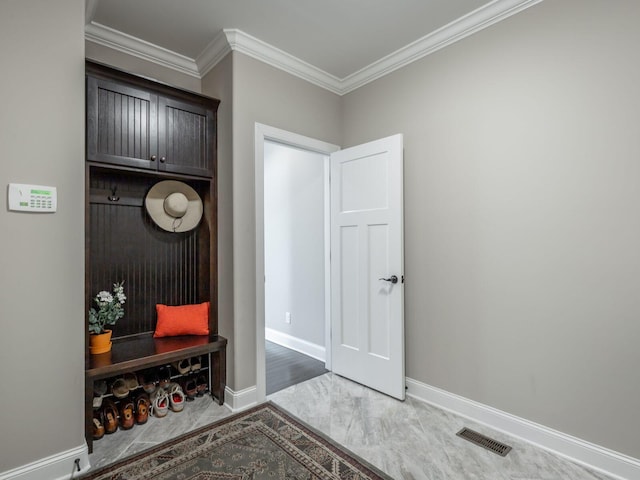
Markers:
110,308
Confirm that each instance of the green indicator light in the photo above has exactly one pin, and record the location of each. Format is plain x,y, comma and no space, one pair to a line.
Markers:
24,204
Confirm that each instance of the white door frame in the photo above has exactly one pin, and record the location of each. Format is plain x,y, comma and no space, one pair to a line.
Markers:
263,133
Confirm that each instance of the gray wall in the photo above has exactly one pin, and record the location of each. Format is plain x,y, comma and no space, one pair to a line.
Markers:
269,96
294,241
522,227
42,255
218,83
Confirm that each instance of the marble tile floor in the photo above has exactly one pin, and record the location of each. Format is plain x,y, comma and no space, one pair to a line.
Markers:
413,440
408,440
124,443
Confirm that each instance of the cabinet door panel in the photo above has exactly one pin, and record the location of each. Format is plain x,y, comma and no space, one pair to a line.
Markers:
186,137
121,124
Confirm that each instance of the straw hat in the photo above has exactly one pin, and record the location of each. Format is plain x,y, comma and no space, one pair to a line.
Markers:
174,206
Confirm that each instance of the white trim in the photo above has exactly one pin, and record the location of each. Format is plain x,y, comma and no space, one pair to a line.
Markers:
327,262
90,7
309,349
234,39
607,461
263,133
109,37
60,466
464,26
240,400
213,54
244,43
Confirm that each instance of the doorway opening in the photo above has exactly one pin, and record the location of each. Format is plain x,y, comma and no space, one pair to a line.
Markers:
294,264
292,257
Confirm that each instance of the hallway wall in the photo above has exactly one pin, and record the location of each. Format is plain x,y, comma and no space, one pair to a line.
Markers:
521,215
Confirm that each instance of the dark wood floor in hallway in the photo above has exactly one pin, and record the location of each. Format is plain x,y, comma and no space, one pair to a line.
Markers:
287,367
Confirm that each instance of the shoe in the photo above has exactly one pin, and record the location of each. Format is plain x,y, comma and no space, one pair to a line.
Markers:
189,388
160,403
176,397
183,366
127,419
110,416
164,376
98,427
97,402
196,363
201,385
148,379
131,381
142,408
99,390
119,388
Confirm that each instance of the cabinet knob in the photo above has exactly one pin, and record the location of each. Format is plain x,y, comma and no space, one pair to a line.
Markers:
163,159
153,158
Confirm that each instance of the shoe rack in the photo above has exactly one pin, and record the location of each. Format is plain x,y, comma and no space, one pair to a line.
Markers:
124,401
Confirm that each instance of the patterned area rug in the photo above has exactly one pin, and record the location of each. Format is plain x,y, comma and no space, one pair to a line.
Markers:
261,443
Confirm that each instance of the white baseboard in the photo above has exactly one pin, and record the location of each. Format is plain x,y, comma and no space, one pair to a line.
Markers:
61,466
240,400
310,349
580,451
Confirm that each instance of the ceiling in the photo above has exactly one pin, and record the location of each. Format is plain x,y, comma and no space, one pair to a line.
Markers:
334,40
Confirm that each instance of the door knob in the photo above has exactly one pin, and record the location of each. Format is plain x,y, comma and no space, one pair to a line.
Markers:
392,279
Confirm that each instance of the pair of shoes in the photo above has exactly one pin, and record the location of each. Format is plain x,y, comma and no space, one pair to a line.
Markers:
148,379
109,416
190,388
119,388
127,419
187,365
176,397
160,403
142,408
98,425
201,385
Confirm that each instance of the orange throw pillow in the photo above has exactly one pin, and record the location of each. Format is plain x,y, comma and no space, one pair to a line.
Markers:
182,320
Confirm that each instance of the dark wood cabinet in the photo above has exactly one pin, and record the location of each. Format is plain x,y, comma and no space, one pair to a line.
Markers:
133,122
140,132
184,131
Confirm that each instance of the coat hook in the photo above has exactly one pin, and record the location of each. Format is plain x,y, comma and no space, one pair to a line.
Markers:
113,197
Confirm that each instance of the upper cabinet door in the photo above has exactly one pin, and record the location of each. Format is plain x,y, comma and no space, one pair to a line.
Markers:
186,137
121,124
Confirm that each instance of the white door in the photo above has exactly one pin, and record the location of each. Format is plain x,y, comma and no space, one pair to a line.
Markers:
367,294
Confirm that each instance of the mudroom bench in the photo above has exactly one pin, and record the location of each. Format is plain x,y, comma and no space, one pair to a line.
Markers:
134,353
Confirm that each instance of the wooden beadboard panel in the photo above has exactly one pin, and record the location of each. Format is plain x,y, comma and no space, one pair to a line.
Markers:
158,267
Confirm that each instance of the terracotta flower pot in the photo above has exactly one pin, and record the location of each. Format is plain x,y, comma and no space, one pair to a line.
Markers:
100,343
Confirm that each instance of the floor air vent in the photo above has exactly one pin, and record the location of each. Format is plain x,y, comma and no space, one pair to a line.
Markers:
484,441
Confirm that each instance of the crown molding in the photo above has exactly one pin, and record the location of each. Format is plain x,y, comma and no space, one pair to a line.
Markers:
469,24
237,40
251,46
109,37
212,54
90,7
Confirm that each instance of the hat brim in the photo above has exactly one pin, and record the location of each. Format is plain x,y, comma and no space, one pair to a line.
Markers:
154,203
